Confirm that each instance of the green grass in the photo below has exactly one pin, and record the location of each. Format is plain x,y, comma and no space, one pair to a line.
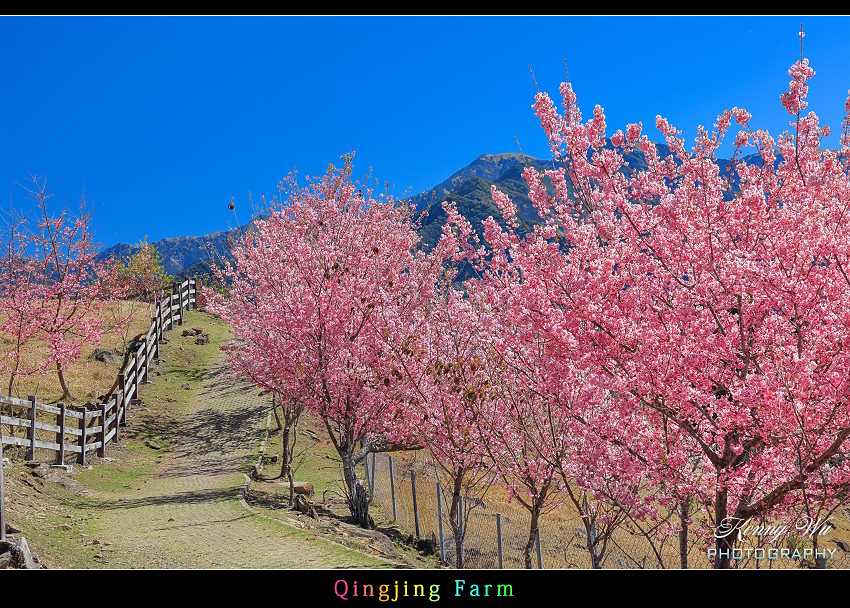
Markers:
137,463
317,462
66,533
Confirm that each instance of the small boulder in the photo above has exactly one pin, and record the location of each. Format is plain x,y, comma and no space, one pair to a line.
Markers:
105,355
21,556
371,539
303,487
202,339
39,469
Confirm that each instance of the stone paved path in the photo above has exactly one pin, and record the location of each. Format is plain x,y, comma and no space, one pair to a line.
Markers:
188,515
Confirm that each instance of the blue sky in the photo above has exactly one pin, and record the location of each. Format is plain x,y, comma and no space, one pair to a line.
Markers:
170,117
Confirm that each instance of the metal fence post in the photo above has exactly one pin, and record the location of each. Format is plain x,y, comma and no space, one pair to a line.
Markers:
415,508
462,525
499,538
539,554
440,520
392,487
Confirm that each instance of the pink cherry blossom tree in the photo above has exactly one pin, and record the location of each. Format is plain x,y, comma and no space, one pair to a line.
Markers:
318,288
20,292
442,371
57,286
713,300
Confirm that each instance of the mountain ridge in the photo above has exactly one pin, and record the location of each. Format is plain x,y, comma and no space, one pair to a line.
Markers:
469,187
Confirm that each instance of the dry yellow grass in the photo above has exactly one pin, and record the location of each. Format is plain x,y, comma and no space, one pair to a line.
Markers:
563,540
87,378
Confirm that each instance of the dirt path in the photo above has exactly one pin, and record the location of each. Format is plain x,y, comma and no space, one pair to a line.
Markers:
188,514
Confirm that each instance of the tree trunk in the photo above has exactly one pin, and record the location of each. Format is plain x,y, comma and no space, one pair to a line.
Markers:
358,501
534,528
722,545
456,518
285,464
532,536
66,394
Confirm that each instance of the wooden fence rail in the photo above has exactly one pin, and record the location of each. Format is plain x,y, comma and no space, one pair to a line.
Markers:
78,430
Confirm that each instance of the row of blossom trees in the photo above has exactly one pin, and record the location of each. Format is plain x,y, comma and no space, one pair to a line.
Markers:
664,350
55,287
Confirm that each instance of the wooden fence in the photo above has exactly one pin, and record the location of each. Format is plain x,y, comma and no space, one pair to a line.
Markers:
81,430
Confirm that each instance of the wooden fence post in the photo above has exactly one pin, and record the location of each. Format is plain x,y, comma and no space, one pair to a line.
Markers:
136,379
83,425
101,451
175,291
122,391
60,436
155,344
117,413
146,350
31,452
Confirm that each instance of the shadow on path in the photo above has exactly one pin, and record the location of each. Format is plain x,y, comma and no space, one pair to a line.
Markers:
187,497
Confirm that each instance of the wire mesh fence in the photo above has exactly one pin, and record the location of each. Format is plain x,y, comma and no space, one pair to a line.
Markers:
497,532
